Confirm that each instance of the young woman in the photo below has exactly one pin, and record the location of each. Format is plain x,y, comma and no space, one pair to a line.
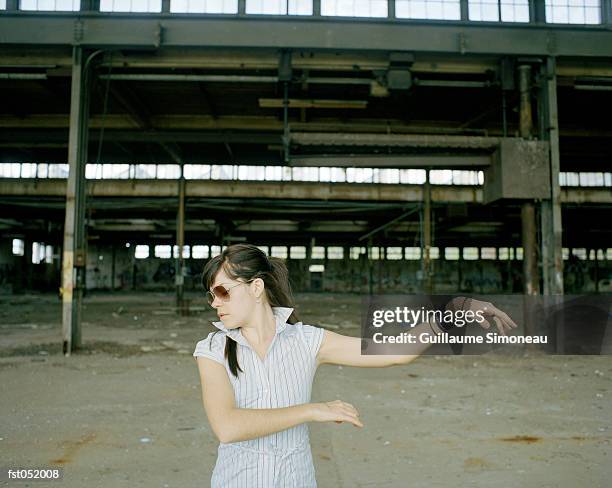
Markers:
257,372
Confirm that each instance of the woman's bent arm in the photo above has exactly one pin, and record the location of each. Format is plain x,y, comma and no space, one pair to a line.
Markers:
231,424
249,423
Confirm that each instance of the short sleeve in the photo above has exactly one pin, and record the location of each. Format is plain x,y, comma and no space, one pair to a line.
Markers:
313,337
212,347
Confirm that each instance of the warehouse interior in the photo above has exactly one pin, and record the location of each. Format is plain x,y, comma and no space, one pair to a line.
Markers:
378,147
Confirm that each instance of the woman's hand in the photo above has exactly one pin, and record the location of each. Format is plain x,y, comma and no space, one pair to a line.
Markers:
491,314
337,411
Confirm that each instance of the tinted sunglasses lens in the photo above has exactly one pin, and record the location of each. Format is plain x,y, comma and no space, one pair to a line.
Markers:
220,292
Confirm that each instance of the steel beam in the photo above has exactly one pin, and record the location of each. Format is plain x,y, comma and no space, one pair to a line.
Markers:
551,226
133,189
181,307
531,279
73,257
153,31
395,140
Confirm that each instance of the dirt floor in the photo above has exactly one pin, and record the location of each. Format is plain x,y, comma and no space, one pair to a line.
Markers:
127,411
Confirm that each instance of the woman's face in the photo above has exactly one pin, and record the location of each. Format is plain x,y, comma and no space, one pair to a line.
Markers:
234,312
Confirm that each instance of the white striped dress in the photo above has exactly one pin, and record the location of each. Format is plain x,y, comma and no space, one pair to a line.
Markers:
283,379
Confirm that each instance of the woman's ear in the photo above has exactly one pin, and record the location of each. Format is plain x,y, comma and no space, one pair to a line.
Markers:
259,288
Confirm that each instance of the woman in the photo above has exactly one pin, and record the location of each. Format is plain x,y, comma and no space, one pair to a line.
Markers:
257,372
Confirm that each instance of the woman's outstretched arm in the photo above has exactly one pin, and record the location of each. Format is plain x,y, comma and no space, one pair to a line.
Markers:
346,351
231,424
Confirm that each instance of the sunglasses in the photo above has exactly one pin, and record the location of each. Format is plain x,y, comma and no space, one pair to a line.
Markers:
221,292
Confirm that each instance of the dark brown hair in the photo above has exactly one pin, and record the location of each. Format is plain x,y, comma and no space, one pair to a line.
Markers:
247,262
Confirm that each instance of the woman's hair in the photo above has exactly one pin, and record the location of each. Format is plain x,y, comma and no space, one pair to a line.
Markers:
247,262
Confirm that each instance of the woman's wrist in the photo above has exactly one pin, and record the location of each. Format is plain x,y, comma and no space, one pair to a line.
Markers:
310,409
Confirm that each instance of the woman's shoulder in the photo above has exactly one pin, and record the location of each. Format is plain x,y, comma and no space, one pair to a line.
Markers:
312,335
212,345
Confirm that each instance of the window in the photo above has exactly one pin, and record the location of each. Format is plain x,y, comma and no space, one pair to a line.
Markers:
199,252
335,252
503,254
412,176
580,253
354,8
462,177
38,252
451,253
278,173
162,252
428,9
175,252
204,6
142,251
519,253
49,254
264,249
470,253
130,5
318,252
591,179
168,171
215,251
297,252
279,7
196,171
412,253
356,252
18,247
441,177
375,253
316,268
573,11
490,10
48,5
394,253
434,253
332,174
305,174
279,252
251,173
565,252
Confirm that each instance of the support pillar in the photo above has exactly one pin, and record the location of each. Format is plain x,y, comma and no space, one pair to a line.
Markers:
180,241
531,278
426,237
551,228
73,263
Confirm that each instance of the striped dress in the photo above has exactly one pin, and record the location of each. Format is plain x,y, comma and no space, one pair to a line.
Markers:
283,379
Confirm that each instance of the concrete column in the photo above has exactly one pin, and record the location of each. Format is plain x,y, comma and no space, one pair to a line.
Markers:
530,264
531,278
73,262
426,237
551,226
180,241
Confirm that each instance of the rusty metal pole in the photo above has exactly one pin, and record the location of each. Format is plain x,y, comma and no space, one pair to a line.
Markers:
73,259
531,277
551,225
180,240
427,274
